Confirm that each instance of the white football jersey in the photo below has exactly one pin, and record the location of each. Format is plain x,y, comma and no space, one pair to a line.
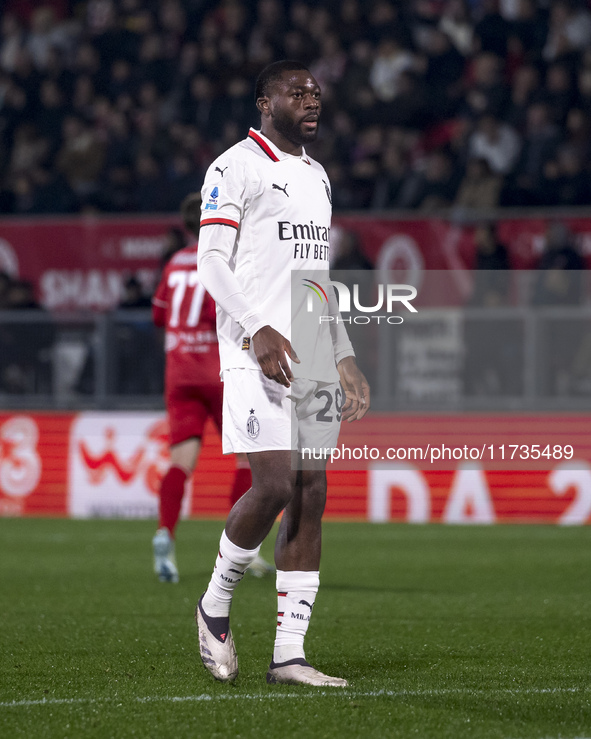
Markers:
280,207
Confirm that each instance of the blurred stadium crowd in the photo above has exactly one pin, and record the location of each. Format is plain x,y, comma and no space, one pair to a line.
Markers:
120,105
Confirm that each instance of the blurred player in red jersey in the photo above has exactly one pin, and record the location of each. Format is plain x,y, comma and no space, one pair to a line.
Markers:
193,390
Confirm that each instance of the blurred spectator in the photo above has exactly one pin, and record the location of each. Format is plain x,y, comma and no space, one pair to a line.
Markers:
11,42
329,67
390,180
413,105
150,191
350,24
5,284
584,89
433,188
491,33
443,70
50,193
201,107
344,194
495,142
457,24
559,282
133,295
491,275
81,157
493,363
25,360
565,181
524,88
83,96
355,89
21,295
28,150
50,113
138,361
559,92
45,34
183,179
158,89
117,195
529,29
349,254
391,60
175,240
122,80
237,105
569,30
487,90
540,142
559,278
480,186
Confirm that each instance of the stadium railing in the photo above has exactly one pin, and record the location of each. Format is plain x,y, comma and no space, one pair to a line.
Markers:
521,358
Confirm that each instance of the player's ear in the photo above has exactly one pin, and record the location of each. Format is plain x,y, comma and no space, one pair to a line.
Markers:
263,105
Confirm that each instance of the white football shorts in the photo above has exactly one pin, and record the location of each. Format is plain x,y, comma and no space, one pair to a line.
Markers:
260,415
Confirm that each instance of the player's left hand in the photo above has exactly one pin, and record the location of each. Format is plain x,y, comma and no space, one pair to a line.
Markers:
356,389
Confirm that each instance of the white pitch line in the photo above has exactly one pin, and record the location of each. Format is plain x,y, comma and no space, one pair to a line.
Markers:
305,695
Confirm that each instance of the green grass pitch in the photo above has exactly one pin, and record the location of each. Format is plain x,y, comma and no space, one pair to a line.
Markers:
441,631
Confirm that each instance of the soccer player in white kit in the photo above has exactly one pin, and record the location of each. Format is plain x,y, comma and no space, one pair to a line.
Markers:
266,212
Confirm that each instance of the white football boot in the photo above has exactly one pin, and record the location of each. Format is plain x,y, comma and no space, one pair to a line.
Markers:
216,645
164,556
299,672
259,567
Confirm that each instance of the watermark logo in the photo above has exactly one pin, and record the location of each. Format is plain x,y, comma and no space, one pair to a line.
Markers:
318,290
389,298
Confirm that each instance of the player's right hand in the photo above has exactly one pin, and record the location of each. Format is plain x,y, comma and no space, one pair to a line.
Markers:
272,349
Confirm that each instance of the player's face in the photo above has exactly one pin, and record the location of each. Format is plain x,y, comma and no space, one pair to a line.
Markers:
294,105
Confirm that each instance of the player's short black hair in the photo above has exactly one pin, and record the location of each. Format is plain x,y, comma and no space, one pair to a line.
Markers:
191,212
273,73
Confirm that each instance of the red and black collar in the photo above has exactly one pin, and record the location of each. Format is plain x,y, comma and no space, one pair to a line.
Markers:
258,139
263,144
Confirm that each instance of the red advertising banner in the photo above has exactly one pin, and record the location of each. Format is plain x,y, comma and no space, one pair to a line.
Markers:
80,263
110,465
435,244
34,464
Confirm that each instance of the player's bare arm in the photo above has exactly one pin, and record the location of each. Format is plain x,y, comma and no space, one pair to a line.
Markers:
272,350
356,389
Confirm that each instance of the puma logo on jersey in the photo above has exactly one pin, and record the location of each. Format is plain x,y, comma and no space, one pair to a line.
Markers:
305,603
283,189
221,171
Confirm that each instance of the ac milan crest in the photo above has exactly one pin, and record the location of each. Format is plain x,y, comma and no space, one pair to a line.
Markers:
252,425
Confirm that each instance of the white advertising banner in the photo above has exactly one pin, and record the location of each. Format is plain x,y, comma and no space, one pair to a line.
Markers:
116,463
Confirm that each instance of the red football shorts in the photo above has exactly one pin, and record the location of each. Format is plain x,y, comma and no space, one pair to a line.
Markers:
189,407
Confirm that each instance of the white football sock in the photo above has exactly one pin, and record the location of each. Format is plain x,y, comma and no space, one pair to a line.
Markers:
296,593
231,564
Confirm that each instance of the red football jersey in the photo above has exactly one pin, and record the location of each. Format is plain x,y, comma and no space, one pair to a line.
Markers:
181,304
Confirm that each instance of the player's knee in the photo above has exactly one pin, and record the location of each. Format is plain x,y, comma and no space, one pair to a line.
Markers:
314,497
274,494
